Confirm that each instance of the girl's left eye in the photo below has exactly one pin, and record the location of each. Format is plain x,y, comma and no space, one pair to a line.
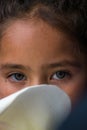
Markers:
59,75
17,77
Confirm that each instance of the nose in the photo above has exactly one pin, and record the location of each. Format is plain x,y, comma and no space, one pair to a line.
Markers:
38,80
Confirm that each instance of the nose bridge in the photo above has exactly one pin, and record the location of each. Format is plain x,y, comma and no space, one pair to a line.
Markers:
38,79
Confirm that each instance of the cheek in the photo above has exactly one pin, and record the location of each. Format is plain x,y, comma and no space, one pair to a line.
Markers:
6,89
75,90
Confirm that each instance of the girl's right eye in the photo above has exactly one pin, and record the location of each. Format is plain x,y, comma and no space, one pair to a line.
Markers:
17,77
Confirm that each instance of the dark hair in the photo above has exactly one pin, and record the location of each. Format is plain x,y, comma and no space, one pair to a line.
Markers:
68,15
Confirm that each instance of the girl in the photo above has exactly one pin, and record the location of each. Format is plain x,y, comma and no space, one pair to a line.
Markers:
43,42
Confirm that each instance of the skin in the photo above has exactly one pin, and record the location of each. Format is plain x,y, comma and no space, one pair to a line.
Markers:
34,53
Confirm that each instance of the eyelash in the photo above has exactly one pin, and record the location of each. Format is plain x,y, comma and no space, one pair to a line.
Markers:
58,75
66,74
13,77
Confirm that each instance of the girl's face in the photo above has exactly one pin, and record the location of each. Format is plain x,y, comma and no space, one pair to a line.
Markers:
34,53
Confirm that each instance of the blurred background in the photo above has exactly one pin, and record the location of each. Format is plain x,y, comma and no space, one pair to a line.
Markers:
78,118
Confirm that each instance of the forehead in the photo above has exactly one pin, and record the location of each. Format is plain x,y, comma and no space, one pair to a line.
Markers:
37,27
36,37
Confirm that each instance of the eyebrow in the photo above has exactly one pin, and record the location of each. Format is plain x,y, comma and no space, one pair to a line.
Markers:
14,66
65,63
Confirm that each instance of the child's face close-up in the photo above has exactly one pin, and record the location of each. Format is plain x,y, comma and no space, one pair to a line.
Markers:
33,53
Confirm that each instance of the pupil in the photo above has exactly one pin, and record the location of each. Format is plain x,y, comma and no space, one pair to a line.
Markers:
60,74
19,76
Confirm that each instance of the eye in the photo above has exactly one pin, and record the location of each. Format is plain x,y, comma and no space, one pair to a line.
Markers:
17,77
59,75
